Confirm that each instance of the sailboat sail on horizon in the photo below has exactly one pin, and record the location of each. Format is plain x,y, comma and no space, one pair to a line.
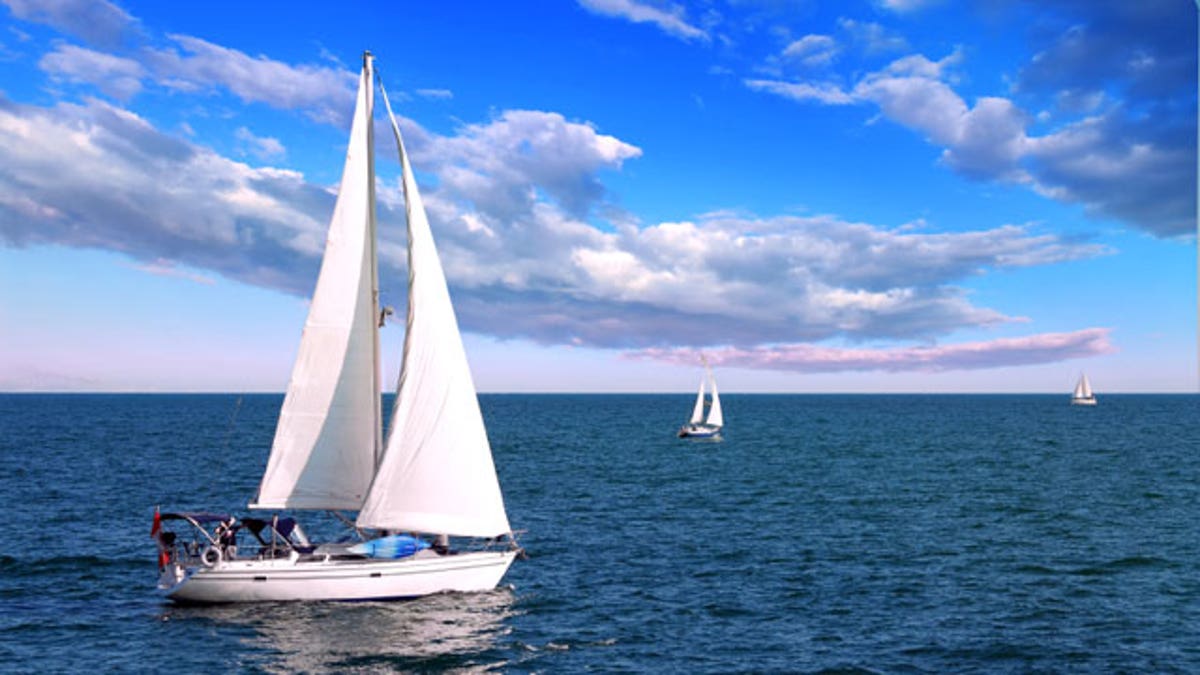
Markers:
432,476
698,426
1083,394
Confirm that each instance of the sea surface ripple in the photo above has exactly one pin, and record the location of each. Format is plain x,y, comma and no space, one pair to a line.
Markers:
848,533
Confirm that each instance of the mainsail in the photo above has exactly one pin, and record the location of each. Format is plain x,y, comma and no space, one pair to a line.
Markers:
328,436
436,474
1083,388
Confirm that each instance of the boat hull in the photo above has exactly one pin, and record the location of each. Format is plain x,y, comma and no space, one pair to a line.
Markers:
1083,401
369,579
699,431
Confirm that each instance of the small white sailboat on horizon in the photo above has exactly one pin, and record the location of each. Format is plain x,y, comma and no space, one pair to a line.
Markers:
1083,394
698,426
431,478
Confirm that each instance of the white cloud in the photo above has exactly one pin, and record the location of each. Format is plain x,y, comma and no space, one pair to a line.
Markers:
501,166
97,176
808,358
96,21
167,268
824,92
812,51
326,94
118,77
443,94
262,147
905,6
508,207
872,37
1112,165
668,17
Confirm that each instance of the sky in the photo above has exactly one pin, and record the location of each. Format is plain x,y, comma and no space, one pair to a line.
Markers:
875,196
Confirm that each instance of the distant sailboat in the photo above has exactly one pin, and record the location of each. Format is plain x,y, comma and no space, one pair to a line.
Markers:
1083,392
698,426
430,478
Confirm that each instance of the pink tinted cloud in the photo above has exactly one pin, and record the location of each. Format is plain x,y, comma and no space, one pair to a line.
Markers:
807,358
167,268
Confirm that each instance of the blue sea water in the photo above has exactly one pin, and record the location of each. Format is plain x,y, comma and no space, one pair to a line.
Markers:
824,533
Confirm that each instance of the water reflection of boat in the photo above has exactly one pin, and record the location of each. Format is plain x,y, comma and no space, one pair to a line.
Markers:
438,632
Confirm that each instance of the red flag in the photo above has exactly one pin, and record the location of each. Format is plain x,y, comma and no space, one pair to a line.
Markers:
157,524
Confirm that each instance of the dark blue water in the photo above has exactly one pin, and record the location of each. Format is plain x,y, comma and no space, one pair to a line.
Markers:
881,533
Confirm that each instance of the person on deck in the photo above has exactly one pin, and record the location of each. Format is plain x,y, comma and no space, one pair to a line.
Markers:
227,538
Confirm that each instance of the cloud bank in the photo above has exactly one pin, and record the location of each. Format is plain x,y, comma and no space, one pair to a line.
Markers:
804,358
508,207
533,244
1114,91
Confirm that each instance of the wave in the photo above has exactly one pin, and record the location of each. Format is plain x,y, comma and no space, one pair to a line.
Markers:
13,566
1121,565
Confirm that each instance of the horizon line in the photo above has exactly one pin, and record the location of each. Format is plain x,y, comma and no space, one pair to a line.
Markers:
129,392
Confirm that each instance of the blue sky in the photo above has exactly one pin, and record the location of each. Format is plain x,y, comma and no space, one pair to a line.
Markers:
892,195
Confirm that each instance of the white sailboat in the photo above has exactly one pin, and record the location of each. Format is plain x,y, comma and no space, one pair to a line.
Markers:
431,478
1083,394
698,426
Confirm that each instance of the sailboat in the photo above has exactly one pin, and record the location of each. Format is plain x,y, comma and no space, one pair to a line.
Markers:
698,426
429,479
1083,392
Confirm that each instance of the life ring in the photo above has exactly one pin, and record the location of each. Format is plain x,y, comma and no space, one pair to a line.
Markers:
211,556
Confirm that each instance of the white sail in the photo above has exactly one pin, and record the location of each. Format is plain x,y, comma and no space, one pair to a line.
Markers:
436,474
1083,388
698,410
327,439
715,418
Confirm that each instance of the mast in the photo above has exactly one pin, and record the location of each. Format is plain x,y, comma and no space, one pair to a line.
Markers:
376,398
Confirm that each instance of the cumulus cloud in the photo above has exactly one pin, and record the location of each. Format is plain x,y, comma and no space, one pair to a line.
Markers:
194,65
1136,168
508,207
806,358
98,176
739,280
198,65
502,166
116,76
262,147
1146,50
98,22
670,18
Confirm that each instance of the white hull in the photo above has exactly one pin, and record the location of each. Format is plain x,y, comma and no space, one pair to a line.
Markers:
288,579
699,431
1083,401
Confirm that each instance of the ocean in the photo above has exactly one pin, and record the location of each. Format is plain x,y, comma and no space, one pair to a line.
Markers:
835,533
